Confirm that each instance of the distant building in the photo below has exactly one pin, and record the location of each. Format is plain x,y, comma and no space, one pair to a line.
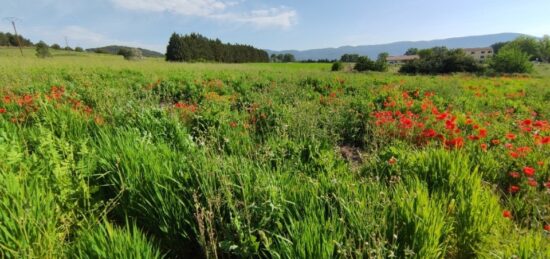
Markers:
401,59
479,54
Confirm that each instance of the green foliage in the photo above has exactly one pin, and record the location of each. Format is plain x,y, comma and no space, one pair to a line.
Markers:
528,45
282,58
130,53
337,66
511,59
195,47
55,46
364,63
411,51
8,39
350,58
440,60
42,50
79,49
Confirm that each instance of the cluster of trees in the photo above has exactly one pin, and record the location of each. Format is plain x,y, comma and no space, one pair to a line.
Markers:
283,58
323,60
43,50
363,63
8,39
440,60
195,47
510,57
349,58
537,49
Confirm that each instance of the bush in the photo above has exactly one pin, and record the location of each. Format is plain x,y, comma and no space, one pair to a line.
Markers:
511,60
56,46
440,60
79,49
42,50
366,64
337,66
131,53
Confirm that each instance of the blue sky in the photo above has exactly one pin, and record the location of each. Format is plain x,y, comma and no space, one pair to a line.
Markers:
270,24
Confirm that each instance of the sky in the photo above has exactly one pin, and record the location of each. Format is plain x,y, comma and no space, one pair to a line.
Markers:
269,24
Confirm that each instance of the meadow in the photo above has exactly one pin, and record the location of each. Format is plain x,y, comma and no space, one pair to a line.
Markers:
106,158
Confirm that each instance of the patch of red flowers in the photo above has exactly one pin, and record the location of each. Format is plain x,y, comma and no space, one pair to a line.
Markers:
528,171
507,214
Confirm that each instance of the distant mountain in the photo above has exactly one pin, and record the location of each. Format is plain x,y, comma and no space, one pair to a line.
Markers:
113,49
399,48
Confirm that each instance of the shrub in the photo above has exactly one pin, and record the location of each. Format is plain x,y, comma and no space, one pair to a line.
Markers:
511,60
366,64
337,66
131,53
440,60
79,49
42,50
56,46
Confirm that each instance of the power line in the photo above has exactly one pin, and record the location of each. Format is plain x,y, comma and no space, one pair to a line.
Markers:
13,20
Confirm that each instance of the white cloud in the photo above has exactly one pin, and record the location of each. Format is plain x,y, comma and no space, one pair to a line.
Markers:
281,17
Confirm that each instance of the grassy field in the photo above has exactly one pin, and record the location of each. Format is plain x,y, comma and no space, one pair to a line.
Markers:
106,158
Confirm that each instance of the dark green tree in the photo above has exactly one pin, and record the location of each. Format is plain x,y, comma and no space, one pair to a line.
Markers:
511,59
544,48
411,51
42,50
497,46
55,46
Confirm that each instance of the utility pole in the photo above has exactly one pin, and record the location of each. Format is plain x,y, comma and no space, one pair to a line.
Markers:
66,42
12,20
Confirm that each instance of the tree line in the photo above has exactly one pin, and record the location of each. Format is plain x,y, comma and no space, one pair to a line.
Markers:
195,47
10,40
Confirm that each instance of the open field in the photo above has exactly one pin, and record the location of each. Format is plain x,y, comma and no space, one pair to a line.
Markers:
101,157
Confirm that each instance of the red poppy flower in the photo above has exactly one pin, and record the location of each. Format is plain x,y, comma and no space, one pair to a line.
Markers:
482,133
7,99
2,110
547,184
547,227
469,121
456,143
495,141
539,123
507,214
233,124
514,154
546,140
508,146
529,171
513,189
392,161
532,183
510,136
484,147
514,174
429,133
526,122
540,163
